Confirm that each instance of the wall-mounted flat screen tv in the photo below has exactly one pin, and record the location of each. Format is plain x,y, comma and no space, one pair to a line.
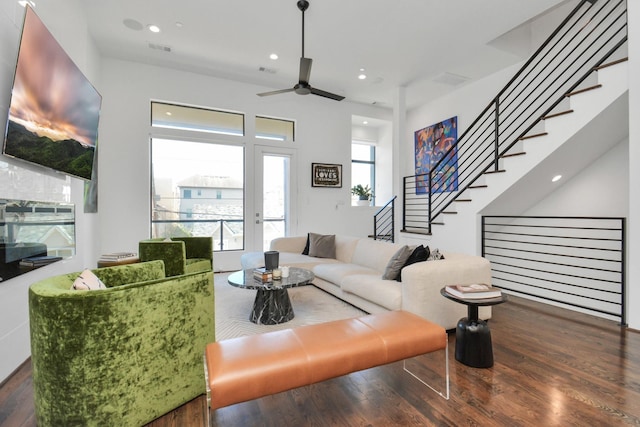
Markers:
54,110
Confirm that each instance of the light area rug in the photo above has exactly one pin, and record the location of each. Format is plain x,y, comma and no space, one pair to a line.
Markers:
310,305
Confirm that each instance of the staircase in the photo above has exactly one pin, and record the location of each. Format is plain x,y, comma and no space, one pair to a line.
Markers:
573,138
557,110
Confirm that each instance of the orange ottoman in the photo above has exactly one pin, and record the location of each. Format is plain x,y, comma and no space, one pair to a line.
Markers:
246,368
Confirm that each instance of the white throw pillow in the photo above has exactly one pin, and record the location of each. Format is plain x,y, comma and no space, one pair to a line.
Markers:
87,281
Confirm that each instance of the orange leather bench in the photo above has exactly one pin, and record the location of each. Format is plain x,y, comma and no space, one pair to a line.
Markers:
246,368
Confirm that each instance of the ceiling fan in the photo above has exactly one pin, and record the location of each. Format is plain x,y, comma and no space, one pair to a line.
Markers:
303,87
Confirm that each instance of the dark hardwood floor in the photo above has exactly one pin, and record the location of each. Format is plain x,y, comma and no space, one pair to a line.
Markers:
553,367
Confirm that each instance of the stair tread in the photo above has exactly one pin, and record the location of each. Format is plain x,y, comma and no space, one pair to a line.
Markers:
478,186
521,153
561,113
535,135
586,89
462,200
609,64
498,171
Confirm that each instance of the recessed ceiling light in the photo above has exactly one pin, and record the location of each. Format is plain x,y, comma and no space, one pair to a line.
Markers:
154,28
25,3
179,24
362,76
273,56
365,122
556,178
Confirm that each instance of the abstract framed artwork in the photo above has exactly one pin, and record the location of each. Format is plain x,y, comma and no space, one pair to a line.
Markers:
436,150
326,175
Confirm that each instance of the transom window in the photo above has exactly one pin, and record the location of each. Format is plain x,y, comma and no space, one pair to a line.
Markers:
275,129
179,117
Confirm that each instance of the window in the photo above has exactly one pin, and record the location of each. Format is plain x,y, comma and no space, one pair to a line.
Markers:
274,129
363,166
172,116
217,170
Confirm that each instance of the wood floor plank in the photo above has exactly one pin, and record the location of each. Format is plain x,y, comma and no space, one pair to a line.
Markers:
553,367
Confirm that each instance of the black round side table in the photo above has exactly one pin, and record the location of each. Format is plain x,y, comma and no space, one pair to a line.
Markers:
473,337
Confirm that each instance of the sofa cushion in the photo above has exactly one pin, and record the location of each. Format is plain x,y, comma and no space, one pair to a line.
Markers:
396,263
385,293
374,253
197,265
336,272
322,246
87,281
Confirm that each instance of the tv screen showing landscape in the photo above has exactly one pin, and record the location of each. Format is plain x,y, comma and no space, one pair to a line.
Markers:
54,110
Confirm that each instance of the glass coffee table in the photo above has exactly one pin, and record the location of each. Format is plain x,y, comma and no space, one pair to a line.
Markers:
272,304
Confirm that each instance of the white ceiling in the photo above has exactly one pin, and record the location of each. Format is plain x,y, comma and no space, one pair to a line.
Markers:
412,43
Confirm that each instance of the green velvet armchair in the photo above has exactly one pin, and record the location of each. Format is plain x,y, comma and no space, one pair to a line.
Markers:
181,255
120,356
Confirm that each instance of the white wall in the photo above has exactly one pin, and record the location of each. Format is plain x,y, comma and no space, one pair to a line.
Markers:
601,189
22,181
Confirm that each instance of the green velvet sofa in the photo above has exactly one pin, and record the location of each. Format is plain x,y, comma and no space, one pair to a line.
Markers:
181,255
120,356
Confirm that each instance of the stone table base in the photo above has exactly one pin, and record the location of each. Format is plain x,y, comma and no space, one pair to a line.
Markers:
271,307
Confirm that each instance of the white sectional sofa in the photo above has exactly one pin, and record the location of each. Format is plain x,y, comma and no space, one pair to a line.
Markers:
355,276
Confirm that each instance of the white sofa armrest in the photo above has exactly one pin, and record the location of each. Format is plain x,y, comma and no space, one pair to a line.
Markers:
421,284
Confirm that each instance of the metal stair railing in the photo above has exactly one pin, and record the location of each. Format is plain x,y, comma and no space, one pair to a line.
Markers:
586,39
384,222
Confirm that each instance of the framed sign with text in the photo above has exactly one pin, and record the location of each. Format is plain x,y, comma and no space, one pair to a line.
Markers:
326,175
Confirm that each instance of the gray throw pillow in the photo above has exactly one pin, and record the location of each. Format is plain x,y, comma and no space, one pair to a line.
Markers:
396,263
322,246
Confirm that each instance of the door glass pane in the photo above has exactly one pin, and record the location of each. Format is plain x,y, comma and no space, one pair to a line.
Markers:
198,190
275,197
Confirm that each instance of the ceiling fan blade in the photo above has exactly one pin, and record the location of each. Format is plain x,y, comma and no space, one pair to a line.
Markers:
326,94
305,69
276,92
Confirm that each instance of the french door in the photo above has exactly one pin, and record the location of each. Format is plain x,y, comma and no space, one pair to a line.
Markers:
274,194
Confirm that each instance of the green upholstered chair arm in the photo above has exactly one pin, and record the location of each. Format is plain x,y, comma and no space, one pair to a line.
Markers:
174,254
119,356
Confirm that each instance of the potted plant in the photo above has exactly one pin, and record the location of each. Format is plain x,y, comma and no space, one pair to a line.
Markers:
364,194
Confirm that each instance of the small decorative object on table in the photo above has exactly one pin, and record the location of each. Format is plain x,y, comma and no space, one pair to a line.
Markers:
263,275
117,258
271,260
38,261
474,291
